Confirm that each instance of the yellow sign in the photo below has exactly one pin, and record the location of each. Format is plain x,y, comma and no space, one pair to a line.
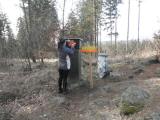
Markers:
88,49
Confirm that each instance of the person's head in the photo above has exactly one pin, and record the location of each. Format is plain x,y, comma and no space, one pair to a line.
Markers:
70,43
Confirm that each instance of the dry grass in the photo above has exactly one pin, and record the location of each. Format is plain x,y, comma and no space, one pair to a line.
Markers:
37,97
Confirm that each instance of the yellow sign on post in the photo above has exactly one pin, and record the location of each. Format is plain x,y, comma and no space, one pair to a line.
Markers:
89,49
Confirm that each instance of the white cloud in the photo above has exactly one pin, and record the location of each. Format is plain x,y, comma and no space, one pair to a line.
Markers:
13,11
69,6
150,19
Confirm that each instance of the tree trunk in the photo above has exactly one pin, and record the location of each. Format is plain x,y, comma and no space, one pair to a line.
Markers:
33,59
116,34
139,6
28,42
64,4
128,26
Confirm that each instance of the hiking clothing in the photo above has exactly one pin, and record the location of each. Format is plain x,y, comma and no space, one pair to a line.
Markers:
63,74
63,52
64,66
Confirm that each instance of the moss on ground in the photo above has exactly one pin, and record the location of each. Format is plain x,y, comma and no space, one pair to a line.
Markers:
127,109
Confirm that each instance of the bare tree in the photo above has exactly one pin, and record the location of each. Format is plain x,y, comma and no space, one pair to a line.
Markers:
28,34
64,4
139,13
128,25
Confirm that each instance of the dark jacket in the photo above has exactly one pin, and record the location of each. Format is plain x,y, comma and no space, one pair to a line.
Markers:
63,52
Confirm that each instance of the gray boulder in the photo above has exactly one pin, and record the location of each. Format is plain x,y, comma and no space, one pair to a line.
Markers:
5,114
153,116
133,100
157,72
6,97
102,116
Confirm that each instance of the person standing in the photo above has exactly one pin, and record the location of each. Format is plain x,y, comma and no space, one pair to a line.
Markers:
65,50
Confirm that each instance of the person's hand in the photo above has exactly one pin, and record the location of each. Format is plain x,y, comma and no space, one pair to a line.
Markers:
73,44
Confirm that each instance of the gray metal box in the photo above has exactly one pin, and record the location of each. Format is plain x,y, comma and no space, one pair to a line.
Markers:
75,72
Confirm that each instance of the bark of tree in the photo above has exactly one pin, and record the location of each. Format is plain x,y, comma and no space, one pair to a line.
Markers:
28,37
128,25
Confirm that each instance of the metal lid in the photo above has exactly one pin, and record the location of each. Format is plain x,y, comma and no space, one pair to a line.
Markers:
102,54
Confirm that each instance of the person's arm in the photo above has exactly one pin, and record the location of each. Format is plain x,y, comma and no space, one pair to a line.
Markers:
68,50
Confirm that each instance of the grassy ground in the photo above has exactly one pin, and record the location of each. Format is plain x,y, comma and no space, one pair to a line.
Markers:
33,95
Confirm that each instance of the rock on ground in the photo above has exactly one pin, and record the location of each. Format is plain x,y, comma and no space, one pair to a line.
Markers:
153,116
133,100
6,97
4,114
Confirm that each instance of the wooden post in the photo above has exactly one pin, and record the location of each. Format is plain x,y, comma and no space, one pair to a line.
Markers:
90,71
90,61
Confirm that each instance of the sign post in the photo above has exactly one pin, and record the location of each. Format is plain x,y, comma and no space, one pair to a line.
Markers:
89,50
